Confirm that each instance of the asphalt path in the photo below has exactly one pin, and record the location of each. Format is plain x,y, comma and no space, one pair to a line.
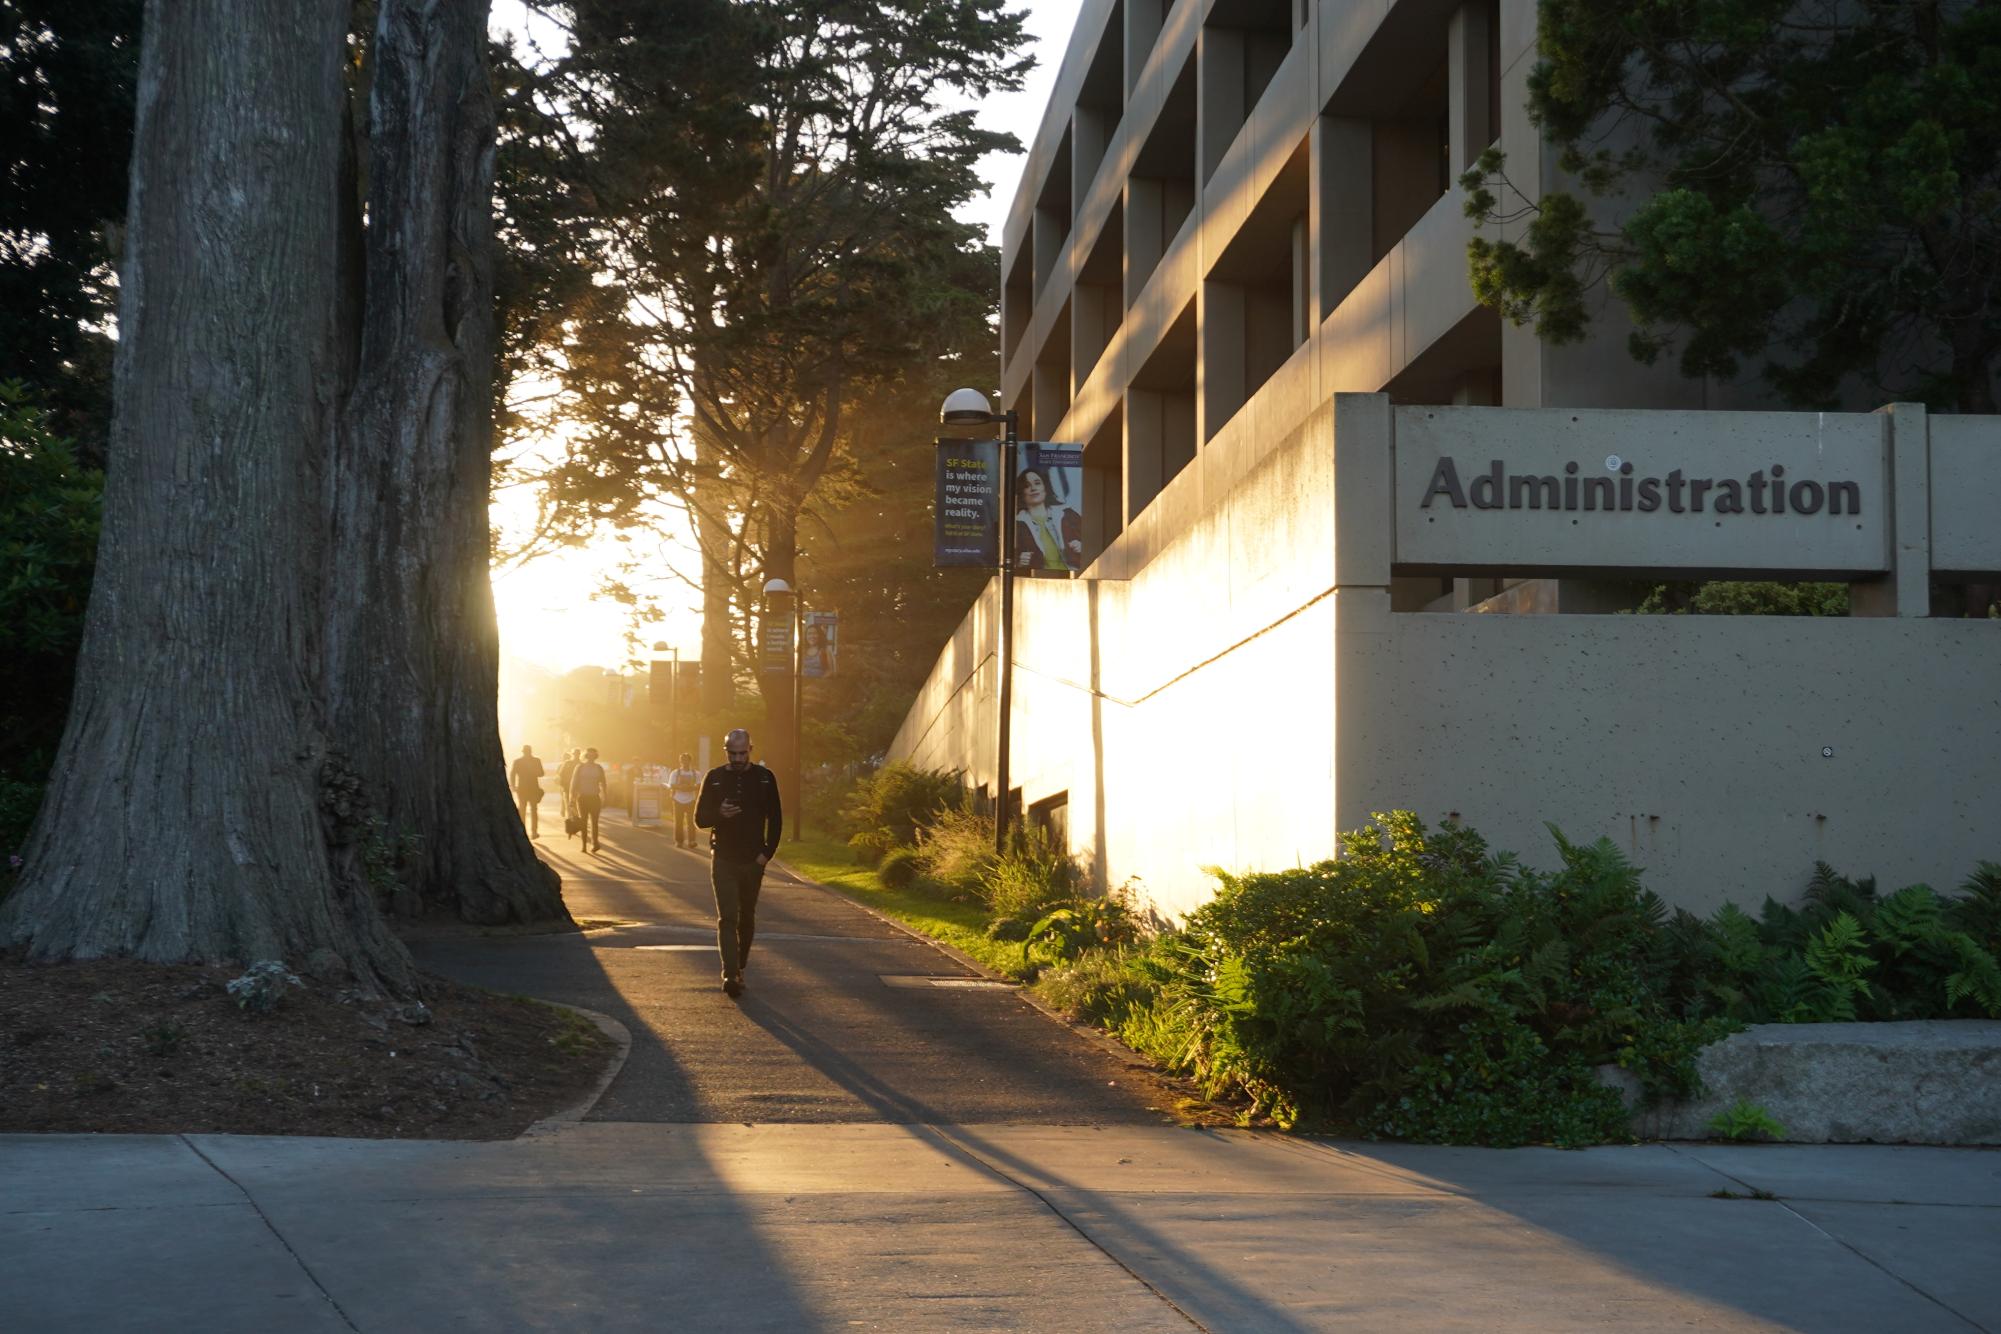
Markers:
845,1017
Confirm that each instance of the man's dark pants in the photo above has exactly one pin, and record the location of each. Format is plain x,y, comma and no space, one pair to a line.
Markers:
684,824
736,884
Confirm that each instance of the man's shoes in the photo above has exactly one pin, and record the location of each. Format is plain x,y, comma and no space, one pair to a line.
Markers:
733,986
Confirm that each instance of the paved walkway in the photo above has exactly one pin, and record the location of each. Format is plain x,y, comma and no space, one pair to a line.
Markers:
1062,1228
881,1184
841,1021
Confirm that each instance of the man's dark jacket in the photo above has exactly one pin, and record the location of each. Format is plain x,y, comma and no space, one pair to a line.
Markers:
754,830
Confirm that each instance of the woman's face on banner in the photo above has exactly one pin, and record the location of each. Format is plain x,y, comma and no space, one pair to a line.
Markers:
1033,494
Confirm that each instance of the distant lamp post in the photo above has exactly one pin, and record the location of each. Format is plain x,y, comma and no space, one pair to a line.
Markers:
778,592
970,407
666,675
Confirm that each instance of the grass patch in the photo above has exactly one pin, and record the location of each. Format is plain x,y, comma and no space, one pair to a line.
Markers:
922,906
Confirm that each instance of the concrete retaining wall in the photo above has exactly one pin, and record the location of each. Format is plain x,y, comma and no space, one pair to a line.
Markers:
1937,1082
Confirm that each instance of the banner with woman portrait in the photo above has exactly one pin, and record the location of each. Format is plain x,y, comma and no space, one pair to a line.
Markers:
1048,508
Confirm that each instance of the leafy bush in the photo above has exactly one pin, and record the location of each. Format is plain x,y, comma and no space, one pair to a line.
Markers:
1848,954
958,850
1745,598
1031,879
1745,1120
49,509
1101,985
897,800
899,868
1424,989
1077,925
870,846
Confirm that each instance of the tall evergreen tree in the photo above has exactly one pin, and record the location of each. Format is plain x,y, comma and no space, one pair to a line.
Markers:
742,323
198,809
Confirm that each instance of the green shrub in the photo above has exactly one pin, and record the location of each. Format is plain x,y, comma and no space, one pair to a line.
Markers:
1075,925
49,509
869,846
958,850
1745,598
899,868
1101,985
1845,953
897,800
1745,1120
1424,989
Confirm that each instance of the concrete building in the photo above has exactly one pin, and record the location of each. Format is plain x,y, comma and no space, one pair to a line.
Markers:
1234,271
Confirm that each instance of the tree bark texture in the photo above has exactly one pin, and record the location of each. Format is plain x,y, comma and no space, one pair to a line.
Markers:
413,650
713,536
196,810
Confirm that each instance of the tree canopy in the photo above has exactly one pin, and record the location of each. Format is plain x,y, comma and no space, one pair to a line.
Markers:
1810,187
773,257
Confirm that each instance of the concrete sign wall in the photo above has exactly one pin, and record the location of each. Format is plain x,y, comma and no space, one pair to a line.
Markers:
1247,688
1507,491
1965,487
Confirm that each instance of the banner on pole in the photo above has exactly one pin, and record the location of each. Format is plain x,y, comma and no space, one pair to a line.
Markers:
775,652
966,529
821,651
1048,508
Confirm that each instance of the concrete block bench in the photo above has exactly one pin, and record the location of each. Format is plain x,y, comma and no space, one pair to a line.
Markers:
1927,1082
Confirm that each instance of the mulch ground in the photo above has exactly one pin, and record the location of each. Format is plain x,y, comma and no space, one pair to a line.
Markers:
119,1046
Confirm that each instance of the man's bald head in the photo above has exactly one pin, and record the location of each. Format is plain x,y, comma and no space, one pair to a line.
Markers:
737,746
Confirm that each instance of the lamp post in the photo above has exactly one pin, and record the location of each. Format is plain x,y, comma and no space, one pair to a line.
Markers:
668,656
778,591
969,407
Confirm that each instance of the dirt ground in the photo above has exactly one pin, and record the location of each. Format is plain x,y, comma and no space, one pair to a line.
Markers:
118,1046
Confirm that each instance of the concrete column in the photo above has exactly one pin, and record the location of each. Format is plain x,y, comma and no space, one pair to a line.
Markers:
1907,589
1145,210
1303,322
1219,100
1470,93
1342,193
1220,335
1364,476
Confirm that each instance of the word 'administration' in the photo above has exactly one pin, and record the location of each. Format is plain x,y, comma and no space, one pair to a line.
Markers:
1764,491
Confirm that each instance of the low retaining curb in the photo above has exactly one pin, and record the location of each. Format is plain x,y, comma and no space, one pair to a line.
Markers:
1925,1082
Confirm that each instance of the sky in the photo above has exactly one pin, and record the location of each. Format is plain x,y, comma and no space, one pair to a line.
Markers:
548,617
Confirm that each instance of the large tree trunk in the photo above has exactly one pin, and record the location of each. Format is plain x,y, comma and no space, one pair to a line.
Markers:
713,536
196,812
413,657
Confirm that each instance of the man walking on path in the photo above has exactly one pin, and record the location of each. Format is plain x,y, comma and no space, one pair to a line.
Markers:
587,784
685,782
526,780
571,759
740,802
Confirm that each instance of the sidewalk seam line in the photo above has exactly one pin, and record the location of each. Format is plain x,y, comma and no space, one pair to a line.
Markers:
1845,1245
1001,1172
271,1227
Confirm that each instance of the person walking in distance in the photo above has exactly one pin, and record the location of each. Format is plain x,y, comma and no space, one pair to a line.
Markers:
571,759
587,785
526,780
739,802
685,783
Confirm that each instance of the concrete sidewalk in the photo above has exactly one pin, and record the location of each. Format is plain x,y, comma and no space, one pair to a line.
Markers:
616,1226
